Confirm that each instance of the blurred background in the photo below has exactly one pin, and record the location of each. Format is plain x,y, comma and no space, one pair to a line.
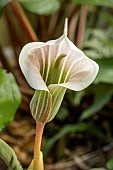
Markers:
81,135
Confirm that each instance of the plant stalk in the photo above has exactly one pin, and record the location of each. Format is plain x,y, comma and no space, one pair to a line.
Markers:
38,158
16,7
82,25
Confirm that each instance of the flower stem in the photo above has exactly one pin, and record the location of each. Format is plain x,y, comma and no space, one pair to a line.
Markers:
38,158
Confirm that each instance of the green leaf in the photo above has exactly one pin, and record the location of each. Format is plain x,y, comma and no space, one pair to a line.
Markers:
8,155
110,164
108,3
10,98
3,3
42,7
102,94
69,128
105,74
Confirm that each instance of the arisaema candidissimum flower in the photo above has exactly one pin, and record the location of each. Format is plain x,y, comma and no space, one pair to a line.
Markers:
52,67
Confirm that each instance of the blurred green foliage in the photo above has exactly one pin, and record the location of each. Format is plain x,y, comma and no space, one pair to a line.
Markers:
102,94
110,164
10,98
45,7
71,128
108,3
98,169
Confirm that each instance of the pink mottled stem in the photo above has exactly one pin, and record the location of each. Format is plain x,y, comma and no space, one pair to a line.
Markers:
38,138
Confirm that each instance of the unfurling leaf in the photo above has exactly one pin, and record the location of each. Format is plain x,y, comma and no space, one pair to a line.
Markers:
52,67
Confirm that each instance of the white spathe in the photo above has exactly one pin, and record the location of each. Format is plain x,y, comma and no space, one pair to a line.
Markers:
53,67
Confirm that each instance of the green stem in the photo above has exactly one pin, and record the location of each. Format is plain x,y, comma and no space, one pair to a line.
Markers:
38,158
